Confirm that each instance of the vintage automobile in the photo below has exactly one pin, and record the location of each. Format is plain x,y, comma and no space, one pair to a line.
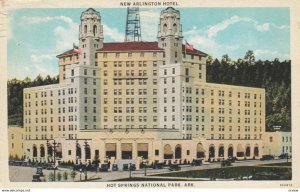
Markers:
225,163
103,167
115,167
267,157
174,167
196,162
158,165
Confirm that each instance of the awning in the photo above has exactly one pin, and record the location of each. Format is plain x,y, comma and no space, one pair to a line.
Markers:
126,147
200,148
142,146
168,150
110,147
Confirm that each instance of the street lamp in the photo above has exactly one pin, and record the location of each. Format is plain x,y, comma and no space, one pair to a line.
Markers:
54,155
129,170
86,164
80,170
145,167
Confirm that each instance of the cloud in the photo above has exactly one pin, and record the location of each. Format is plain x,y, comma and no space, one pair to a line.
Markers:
65,35
113,33
263,27
209,45
268,26
149,24
41,58
201,40
215,29
270,54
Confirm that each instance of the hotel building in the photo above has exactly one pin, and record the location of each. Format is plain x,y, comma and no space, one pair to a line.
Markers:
132,100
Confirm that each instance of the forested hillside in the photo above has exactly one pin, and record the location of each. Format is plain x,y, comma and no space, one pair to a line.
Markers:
15,95
274,76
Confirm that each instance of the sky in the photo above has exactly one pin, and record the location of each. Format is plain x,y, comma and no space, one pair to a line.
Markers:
36,36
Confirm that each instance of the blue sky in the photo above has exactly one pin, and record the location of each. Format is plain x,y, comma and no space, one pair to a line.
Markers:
36,36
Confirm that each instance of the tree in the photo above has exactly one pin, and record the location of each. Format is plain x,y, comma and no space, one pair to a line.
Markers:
209,60
73,175
225,59
50,176
249,57
65,176
59,176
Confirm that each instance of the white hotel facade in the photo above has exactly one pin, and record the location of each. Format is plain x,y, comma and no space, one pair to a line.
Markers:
128,100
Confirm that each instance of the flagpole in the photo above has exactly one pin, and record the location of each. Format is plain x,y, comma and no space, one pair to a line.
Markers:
185,49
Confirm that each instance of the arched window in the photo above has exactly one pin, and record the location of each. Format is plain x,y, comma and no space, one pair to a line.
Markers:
174,27
95,30
85,29
165,28
34,150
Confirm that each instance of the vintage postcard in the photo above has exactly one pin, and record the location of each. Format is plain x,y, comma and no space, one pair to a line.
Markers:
149,94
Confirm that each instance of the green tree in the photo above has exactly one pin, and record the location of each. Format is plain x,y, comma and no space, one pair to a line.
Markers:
65,175
249,57
73,174
209,60
59,176
50,176
225,59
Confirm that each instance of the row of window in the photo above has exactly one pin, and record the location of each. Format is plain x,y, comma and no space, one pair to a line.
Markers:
129,54
246,136
44,93
142,126
131,63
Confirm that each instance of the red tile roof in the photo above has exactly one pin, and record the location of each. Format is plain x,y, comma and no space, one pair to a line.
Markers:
131,46
134,46
193,52
67,53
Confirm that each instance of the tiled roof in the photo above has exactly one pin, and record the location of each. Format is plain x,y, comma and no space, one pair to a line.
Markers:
130,46
67,53
134,46
193,52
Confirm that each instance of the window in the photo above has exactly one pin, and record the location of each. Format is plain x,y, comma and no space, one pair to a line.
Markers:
156,152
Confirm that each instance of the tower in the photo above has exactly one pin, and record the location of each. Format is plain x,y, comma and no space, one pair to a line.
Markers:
133,27
88,70
90,36
171,72
170,35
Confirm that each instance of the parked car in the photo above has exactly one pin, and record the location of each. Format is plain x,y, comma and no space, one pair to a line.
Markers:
231,159
174,167
36,178
283,156
225,163
92,167
103,167
196,162
158,165
267,157
115,167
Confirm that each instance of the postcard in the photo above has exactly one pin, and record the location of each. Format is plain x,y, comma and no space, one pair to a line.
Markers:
149,94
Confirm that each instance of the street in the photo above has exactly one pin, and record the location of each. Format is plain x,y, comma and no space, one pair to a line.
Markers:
24,174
